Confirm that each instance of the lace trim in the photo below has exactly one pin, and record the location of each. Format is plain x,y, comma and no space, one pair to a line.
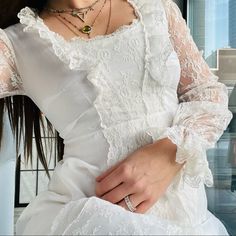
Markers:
153,16
196,168
203,112
62,49
155,29
193,138
159,50
110,219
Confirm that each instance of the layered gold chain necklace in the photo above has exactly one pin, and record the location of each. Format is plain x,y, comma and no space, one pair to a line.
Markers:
80,13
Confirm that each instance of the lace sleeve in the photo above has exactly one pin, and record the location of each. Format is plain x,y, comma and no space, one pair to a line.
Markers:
202,114
10,81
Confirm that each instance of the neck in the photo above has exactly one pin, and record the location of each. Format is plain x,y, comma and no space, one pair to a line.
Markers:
61,4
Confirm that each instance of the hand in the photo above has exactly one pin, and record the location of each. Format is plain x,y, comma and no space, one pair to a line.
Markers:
144,175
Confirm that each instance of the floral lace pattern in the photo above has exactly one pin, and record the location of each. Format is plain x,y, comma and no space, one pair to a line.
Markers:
202,114
112,220
185,103
10,81
137,102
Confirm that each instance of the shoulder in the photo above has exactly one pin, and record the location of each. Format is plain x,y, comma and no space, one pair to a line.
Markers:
5,42
7,35
12,38
172,11
167,2
13,31
170,6
10,44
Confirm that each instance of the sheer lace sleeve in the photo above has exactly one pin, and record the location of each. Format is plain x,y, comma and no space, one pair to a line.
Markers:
202,114
10,81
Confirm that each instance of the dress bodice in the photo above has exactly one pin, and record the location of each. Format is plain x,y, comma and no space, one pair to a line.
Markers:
113,94
77,99
144,82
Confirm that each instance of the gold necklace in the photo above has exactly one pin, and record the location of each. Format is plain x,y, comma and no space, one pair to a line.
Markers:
87,28
76,12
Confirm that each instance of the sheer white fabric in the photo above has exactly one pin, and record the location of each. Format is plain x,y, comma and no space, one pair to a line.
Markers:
116,93
10,81
203,114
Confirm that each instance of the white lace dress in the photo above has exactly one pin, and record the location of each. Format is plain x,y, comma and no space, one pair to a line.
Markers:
116,93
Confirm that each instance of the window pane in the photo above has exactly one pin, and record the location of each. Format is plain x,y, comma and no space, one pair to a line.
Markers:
213,27
33,180
43,181
27,186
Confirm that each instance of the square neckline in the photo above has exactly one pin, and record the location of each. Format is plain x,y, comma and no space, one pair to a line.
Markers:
121,29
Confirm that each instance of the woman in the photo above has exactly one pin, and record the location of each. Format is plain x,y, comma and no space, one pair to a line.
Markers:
136,106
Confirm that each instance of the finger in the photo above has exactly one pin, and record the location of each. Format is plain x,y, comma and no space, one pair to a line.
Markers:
135,199
107,172
116,177
143,206
109,182
117,194
123,204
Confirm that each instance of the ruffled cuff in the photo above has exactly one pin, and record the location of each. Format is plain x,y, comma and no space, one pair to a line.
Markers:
189,150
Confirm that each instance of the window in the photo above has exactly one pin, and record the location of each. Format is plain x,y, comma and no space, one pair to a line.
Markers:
213,27
31,180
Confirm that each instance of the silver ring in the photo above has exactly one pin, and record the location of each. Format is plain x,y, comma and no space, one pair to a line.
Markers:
129,204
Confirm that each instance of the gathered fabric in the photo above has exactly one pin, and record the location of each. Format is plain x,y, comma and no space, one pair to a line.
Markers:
115,93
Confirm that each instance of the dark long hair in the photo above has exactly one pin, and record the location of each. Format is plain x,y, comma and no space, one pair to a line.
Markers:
26,119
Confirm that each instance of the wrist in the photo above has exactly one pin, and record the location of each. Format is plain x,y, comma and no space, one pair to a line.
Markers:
165,147
167,144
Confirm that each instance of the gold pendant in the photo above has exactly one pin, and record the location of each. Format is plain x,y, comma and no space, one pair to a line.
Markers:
80,15
86,29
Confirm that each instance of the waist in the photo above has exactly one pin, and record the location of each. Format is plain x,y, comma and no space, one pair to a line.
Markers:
93,147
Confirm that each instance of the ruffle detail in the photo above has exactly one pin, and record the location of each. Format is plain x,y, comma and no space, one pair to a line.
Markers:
63,49
68,51
96,216
158,47
196,169
159,51
119,115
191,147
125,132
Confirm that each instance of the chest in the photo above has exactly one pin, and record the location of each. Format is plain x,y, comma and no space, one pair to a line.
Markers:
107,17
121,57
129,70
